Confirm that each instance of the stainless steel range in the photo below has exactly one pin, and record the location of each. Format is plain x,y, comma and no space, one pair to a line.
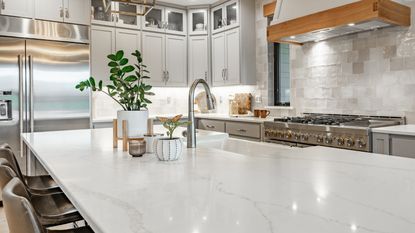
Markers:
341,131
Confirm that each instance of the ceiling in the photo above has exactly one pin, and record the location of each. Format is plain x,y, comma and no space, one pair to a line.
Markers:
190,2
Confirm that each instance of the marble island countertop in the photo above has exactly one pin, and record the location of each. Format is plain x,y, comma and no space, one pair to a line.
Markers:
312,190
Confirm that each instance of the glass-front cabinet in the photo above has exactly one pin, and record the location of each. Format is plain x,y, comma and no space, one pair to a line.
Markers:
154,20
225,16
163,19
198,22
127,16
101,12
175,21
115,14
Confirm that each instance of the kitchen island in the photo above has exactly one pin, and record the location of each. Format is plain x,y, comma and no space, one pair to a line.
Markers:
313,190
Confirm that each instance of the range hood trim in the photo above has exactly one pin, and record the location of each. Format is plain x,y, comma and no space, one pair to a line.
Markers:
386,11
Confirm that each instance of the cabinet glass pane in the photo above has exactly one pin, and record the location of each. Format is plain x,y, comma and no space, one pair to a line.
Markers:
99,11
217,19
198,23
231,14
175,21
154,18
128,19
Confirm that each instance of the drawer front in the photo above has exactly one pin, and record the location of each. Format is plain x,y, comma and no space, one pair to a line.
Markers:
218,126
244,129
403,146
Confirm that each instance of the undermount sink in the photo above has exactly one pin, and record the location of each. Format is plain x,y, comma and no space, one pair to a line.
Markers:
249,148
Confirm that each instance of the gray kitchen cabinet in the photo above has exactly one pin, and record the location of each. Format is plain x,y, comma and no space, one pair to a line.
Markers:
154,57
198,58
68,11
392,144
211,125
237,129
233,43
249,130
381,143
19,8
102,44
176,61
129,41
403,146
166,58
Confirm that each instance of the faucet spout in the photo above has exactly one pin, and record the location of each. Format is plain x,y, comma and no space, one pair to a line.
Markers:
191,128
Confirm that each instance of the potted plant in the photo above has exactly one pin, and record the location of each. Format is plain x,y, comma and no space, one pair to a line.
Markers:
128,89
170,148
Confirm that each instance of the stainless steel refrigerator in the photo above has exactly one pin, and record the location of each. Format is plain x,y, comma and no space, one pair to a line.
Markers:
38,78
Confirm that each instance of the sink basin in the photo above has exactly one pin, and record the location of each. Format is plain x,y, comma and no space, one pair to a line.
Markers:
245,147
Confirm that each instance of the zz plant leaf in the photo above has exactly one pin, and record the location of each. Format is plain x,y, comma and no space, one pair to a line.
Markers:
126,82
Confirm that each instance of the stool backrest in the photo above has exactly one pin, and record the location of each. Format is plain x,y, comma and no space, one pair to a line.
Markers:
6,173
8,154
21,216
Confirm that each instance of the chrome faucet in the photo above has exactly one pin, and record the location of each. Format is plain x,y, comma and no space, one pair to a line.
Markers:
191,128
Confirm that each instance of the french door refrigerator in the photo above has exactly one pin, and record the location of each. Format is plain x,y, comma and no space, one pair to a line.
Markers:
37,81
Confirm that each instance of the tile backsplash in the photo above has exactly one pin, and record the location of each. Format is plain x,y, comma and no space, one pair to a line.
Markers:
369,73
167,101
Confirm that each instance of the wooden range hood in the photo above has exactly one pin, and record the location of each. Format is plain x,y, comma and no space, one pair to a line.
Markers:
355,17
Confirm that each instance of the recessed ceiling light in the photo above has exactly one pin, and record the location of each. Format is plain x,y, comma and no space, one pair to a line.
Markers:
351,24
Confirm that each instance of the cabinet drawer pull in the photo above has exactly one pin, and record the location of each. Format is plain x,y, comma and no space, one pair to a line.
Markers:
3,5
242,130
61,12
67,13
210,126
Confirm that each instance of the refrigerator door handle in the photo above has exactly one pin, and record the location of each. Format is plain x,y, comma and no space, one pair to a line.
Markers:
31,102
21,96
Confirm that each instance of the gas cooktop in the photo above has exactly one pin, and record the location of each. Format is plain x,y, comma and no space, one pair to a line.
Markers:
342,131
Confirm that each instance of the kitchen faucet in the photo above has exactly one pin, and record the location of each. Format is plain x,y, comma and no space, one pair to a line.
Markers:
191,129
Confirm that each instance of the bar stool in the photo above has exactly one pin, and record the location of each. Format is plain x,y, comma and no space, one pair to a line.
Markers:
36,184
52,209
20,214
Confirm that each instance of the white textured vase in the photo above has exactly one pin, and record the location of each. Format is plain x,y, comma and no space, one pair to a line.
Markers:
168,149
136,123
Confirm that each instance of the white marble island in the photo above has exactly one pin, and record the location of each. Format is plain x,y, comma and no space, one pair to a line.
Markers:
314,190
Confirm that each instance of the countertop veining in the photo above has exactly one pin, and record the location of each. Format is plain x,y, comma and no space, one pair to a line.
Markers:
313,190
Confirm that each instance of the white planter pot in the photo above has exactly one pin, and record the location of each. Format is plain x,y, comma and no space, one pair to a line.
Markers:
168,149
136,123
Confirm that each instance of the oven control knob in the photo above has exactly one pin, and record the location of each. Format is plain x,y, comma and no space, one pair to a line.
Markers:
320,139
349,142
361,143
280,134
328,140
304,137
340,141
288,135
297,136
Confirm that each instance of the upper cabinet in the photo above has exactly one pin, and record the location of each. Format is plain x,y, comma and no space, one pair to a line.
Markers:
115,14
233,43
20,8
164,19
225,16
68,11
165,58
101,14
198,22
